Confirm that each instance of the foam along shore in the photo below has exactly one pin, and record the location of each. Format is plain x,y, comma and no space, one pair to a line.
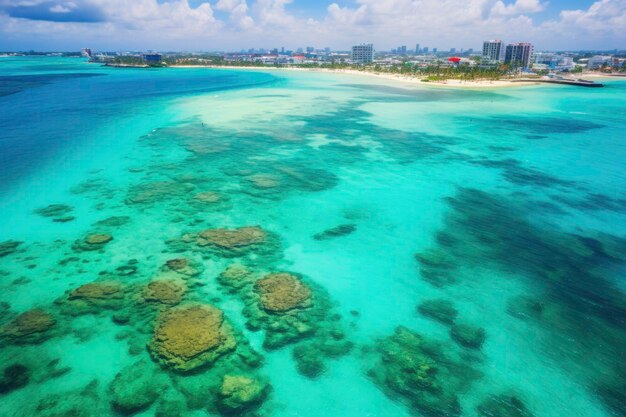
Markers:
395,77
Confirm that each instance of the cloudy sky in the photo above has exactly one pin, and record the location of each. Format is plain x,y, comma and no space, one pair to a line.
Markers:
234,24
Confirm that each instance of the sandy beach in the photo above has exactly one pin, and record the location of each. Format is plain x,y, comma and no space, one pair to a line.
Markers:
395,77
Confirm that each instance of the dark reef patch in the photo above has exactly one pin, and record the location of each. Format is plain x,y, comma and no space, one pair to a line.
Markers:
8,247
290,309
438,309
593,202
541,126
421,373
514,172
503,405
337,231
11,84
575,297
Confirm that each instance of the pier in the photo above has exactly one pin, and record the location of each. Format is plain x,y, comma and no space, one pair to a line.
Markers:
578,83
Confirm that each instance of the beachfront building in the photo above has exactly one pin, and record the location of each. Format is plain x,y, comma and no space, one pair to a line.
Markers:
598,61
362,54
553,61
493,50
152,59
519,54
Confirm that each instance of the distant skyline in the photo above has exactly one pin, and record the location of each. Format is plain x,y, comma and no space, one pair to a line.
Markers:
190,25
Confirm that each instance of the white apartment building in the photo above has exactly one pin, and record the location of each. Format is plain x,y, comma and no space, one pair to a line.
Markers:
362,54
493,50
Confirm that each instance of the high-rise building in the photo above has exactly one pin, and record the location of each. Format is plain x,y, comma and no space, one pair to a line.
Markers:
493,50
309,49
417,49
519,54
425,49
453,50
363,53
434,50
402,50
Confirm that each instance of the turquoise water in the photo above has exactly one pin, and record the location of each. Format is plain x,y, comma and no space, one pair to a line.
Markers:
462,252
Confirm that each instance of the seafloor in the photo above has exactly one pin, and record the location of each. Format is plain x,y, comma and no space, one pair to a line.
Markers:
195,242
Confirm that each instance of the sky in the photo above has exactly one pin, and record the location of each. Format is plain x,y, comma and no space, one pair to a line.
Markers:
209,25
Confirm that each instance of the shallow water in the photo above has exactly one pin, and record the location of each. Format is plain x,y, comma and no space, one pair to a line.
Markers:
508,203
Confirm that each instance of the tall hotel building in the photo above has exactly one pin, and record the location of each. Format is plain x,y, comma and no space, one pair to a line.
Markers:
493,50
363,54
519,54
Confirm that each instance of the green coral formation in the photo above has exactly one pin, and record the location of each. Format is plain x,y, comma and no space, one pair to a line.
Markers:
290,310
235,277
438,309
437,267
240,393
136,387
309,361
410,367
14,377
85,402
468,336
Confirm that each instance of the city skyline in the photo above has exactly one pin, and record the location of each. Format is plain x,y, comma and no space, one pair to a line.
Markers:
236,24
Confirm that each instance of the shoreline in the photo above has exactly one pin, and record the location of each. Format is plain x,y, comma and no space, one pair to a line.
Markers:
460,84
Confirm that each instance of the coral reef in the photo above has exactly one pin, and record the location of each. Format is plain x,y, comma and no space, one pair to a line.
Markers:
165,291
231,239
188,337
92,242
14,377
8,247
468,336
438,309
281,292
80,403
309,362
420,372
239,393
58,212
235,277
437,267
152,192
229,242
136,387
32,326
94,297
113,221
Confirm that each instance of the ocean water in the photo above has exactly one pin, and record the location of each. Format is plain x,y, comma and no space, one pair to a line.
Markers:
454,252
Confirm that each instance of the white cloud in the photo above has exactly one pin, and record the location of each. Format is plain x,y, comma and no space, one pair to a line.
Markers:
519,7
267,23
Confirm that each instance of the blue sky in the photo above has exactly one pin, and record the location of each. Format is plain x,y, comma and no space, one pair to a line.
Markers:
236,24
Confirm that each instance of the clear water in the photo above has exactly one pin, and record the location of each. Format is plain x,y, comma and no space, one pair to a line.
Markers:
504,195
